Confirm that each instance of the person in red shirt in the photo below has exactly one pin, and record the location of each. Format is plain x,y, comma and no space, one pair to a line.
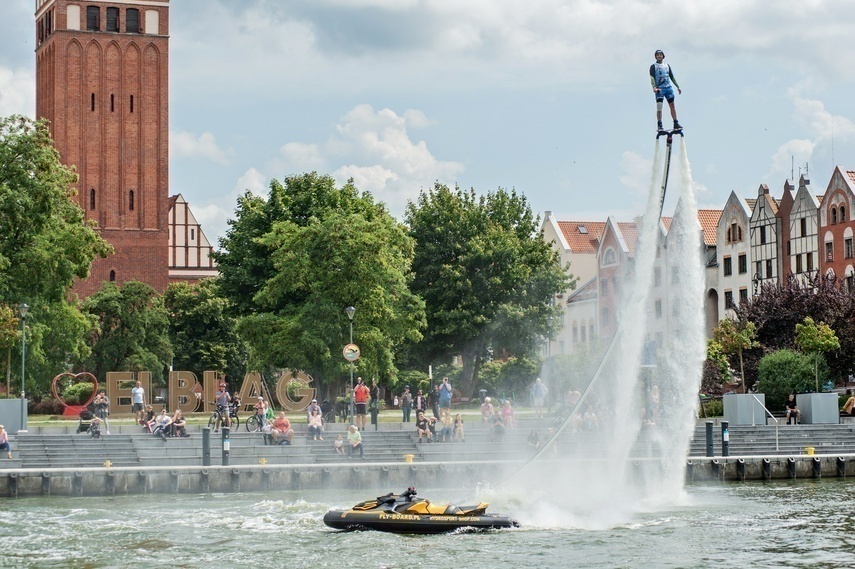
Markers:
282,431
360,397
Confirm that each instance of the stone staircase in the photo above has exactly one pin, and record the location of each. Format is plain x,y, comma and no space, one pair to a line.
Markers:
749,440
75,451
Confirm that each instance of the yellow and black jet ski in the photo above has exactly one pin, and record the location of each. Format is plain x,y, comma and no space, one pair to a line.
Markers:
404,513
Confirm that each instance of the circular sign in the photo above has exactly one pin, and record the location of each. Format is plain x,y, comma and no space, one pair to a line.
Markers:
351,352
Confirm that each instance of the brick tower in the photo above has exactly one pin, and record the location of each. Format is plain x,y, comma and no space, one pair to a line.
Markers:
102,82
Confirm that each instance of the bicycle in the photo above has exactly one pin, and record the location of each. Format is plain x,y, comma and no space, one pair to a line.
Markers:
254,423
218,418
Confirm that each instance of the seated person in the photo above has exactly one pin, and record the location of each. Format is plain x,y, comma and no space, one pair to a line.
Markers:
147,420
338,445
95,428
447,430
316,425
178,426
354,440
849,406
497,428
533,440
161,424
423,426
267,432
282,431
793,412
459,433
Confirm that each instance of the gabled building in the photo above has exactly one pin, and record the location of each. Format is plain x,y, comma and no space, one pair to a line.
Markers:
837,226
802,246
615,265
733,249
189,249
765,239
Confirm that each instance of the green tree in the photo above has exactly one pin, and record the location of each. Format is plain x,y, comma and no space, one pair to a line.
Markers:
735,337
816,339
203,336
487,277
132,332
783,372
317,249
10,336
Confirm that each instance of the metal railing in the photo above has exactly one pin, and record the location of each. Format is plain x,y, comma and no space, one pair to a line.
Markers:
754,423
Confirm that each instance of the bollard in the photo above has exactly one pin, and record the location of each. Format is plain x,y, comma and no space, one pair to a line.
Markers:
725,439
791,467
206,446
710,446
817,467
226,446
767,469
841,467
374,412
740,469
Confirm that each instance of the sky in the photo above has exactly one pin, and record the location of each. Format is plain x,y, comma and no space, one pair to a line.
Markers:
551,98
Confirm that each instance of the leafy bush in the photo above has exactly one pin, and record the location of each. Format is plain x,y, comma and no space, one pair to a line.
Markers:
712,407
47,407
78,393
787,371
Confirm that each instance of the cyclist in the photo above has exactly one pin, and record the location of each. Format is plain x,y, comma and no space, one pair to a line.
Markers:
260,412
222,399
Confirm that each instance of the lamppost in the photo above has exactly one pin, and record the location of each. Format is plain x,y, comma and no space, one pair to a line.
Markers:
23,309
350,312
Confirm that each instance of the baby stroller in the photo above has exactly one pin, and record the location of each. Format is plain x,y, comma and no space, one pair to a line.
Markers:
85,421
95,428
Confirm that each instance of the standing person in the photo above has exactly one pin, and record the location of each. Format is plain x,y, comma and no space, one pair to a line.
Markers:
406,404
538,394
138,400
360,396
661,78
433,401
4,442
445,393
102,408
354,440
508,415
420,403
222,399
374,404
260,409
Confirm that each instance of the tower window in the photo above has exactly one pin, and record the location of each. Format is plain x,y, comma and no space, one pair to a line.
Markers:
92,102
833,215
93,18
47,24
112,276
112,19
132,21
131,200
132,103
112,103
92,198
842,214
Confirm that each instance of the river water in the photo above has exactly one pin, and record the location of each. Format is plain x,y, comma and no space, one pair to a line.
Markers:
782,524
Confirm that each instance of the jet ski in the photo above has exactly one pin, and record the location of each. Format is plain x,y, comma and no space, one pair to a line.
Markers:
404,513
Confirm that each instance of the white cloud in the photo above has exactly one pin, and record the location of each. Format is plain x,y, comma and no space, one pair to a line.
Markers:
300,157
183,144
636,172
17,92
213,216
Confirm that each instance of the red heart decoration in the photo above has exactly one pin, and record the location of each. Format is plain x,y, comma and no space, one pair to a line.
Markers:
85,374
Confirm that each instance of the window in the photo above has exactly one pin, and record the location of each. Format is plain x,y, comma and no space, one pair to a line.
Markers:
657,276
810,262
47,24
92,102
112,276
584,334
769,273
132,103
728,266
604,316
132,21
658,309
591,330
798,264
743,295
93,18
92,198
847,248
803,226
728,299
842,214
112,103
112,19
575,334
759,269
615,283
788,248
131,200
192,234
829,252
833,215
604,287
762,234
743,264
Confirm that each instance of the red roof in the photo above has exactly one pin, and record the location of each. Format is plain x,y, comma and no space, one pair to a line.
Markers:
851,175
582,236
709,224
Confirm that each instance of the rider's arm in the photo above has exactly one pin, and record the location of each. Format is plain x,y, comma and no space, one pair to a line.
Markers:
671,75
652,76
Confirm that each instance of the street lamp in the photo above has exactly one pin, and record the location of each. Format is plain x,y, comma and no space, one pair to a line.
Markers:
350,312
23,309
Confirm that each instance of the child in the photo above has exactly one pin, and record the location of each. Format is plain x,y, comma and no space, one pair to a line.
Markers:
458,428
4,442
95,428
338,445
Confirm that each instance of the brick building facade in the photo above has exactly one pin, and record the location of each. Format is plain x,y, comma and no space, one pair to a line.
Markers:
102,80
